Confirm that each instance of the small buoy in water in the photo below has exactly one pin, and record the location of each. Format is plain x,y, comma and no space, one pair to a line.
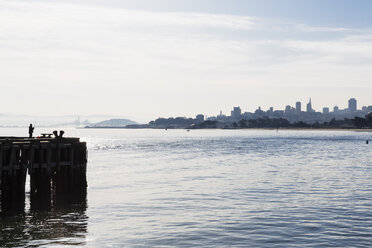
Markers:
367,142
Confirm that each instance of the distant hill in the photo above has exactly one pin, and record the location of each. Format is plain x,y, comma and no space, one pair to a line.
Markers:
114,123
22,120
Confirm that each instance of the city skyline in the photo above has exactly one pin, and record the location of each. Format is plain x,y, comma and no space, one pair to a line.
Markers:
297,113
297,108
290,117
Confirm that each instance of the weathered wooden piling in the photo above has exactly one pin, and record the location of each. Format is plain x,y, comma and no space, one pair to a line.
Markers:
12,174
57,168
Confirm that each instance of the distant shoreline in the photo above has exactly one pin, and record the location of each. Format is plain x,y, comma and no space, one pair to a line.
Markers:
286,129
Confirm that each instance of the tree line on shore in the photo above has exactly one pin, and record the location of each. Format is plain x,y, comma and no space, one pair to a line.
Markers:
356,123
265,122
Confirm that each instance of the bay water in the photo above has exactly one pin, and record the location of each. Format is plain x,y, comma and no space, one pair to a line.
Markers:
210,188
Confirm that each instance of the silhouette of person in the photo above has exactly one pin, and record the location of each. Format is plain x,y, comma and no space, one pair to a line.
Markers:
30,130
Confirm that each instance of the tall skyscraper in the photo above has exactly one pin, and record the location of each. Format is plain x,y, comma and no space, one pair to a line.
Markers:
298,108
352,105
309,109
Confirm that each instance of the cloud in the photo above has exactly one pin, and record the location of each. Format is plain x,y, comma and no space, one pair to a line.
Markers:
122,56
306,28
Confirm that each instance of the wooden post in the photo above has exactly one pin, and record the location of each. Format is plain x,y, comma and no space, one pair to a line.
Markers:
1,164
31,170
49,157
12,159
31,159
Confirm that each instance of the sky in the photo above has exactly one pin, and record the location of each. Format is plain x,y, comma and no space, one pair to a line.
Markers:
145,59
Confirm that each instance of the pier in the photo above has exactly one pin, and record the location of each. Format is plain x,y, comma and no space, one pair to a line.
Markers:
56,166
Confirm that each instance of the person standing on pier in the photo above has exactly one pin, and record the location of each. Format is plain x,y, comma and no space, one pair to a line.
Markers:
30,130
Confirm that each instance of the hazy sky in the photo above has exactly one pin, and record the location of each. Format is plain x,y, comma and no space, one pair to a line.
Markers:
145,59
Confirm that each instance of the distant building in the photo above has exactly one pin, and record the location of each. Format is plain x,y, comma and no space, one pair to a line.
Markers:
236,113
199,118
259,111
278,113
352,105
309,108
325,110
335,110
287,109
298,108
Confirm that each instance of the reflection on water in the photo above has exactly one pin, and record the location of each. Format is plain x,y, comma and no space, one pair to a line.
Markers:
11,205
62,222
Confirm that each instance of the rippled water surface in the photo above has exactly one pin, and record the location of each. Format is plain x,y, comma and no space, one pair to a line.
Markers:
205,188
